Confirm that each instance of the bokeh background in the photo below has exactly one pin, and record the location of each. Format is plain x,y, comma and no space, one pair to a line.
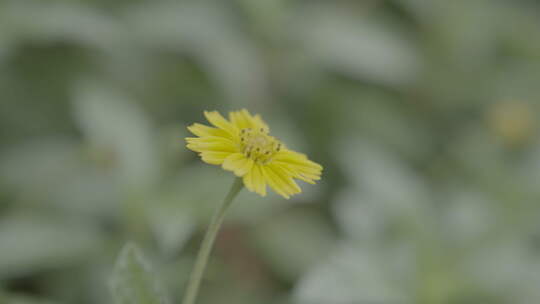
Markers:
424,113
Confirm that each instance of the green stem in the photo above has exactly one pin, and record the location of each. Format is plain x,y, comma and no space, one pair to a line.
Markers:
208,242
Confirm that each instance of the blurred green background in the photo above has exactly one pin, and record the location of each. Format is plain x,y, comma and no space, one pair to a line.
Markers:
424,114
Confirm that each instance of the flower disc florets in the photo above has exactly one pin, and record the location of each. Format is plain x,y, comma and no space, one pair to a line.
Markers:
257,145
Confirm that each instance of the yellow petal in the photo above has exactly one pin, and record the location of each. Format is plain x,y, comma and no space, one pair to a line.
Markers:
214,158
258,180
238,163
219,121
254,181
248,181
297,161
202,130
211,143
296,172
286,177
244,167
298,165
296,158
240,120
243,119
259,123
276,183
229,163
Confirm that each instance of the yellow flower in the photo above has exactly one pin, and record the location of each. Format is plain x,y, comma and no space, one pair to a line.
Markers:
243,145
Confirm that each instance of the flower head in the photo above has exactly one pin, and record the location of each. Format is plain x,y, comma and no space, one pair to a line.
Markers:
244,146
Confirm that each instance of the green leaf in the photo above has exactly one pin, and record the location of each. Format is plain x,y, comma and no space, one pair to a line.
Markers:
353,274
31,244
16,298
114,125
132,281
361,48
21,299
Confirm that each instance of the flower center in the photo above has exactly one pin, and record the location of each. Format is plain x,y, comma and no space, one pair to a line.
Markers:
258,145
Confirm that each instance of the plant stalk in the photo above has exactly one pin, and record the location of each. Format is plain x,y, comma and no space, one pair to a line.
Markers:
208,242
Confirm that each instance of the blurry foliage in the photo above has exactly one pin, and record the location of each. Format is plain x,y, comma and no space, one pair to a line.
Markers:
132,280
425,115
